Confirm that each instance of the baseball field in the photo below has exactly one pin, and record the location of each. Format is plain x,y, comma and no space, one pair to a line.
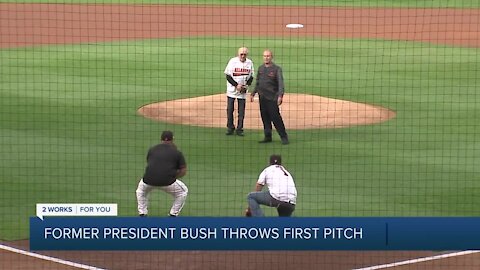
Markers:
382,110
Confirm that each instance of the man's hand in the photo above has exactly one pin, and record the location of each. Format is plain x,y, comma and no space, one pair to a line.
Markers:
280,100
244,89
241,88
248,212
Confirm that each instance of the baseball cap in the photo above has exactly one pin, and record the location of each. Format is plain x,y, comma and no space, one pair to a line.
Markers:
167,135
275,160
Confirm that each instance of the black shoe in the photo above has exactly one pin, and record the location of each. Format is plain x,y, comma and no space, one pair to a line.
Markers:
142,215
266,140
229,132
285,141
240,133
172,215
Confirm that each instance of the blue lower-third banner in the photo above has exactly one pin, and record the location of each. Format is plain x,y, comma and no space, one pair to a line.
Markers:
231,233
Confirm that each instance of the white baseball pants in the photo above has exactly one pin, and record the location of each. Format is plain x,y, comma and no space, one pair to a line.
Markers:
178,190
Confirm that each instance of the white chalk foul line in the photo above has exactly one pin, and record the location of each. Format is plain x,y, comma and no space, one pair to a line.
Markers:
437,257
47,258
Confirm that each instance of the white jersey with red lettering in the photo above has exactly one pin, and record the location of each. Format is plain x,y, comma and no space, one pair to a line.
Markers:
241,72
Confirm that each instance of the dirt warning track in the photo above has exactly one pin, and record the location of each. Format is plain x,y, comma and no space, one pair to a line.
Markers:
35,24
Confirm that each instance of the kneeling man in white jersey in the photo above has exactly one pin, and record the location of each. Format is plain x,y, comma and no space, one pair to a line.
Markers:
281,192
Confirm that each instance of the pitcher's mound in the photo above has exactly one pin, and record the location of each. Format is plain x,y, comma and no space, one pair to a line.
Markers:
299,111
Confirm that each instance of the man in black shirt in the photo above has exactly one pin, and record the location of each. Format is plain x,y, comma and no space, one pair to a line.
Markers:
165,164
270,88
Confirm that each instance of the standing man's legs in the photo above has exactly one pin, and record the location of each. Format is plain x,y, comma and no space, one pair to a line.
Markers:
179,191
142,197
230,109
276,117
267,122
241,115
255,199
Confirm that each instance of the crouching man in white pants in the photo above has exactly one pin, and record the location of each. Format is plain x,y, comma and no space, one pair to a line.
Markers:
165,164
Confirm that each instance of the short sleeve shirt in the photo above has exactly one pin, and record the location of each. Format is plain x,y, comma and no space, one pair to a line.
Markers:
163,161
279,182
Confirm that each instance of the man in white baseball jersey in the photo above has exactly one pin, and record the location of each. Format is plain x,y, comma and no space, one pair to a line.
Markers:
281,193
239,74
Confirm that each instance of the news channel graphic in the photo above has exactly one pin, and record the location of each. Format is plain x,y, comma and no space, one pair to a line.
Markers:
76,209
240,233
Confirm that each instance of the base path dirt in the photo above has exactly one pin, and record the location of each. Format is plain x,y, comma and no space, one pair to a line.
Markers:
299,111
34,24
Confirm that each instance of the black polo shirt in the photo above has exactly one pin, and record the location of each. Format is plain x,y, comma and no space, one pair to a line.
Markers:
163,161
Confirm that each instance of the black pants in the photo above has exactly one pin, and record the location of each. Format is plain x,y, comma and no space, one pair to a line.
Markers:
285,209
241,113
270,113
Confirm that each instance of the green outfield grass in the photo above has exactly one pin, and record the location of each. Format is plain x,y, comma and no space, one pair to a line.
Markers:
332,3
69,131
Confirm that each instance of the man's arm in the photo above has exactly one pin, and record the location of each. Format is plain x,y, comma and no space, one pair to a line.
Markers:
281,86
238,86
250,80
181,165
258,187
255,90
149,153
252,95
231,80
181,172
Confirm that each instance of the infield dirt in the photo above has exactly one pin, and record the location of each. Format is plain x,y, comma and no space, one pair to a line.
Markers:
299,111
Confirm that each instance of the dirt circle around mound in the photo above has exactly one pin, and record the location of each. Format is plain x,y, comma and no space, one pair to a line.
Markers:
299,111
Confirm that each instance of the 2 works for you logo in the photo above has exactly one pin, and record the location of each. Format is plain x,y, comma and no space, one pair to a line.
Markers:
76,209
